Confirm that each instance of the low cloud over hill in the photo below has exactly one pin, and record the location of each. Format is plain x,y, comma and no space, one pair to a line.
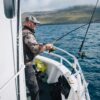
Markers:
77,14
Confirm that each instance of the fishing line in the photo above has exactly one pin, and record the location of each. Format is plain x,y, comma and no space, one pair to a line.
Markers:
81,46
59,38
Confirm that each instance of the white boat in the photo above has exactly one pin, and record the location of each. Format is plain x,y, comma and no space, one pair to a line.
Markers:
12,77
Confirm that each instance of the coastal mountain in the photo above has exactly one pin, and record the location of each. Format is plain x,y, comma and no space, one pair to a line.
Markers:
77,14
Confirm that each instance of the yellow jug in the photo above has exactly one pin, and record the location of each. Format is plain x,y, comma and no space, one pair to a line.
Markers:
41,66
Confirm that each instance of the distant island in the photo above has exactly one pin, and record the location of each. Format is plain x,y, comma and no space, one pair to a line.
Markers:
77,14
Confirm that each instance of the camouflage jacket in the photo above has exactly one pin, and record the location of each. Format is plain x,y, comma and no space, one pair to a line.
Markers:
31,46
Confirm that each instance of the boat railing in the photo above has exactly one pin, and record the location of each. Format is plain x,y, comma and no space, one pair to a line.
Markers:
75,66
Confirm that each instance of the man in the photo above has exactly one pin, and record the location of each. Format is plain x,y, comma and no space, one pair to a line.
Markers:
31,49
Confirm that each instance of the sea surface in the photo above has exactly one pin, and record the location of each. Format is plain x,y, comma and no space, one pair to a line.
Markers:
91,63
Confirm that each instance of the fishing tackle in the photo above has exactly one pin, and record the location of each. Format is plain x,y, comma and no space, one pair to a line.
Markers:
59,38
80,53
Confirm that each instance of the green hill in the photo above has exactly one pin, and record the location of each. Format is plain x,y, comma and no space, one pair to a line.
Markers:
77,14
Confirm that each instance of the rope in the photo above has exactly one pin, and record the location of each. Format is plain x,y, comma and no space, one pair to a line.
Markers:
11,79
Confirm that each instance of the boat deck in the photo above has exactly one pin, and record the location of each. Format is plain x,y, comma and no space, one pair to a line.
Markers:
48,91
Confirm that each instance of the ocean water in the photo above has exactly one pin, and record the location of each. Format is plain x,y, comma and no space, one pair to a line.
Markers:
91,63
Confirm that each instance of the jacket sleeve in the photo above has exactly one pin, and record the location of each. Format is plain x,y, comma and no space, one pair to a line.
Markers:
31,42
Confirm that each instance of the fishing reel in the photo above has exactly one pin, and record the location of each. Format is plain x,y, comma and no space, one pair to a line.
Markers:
52,49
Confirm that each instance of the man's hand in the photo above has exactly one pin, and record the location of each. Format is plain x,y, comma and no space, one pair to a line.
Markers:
49,46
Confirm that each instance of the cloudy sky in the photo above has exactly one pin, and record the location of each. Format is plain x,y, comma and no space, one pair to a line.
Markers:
45,5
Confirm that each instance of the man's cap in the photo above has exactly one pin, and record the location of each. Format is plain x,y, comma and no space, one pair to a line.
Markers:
33,19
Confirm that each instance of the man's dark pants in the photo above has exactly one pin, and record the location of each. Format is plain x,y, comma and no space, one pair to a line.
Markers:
31,82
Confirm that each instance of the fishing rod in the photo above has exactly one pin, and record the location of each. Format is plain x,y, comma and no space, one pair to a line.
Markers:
59,38
82,54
